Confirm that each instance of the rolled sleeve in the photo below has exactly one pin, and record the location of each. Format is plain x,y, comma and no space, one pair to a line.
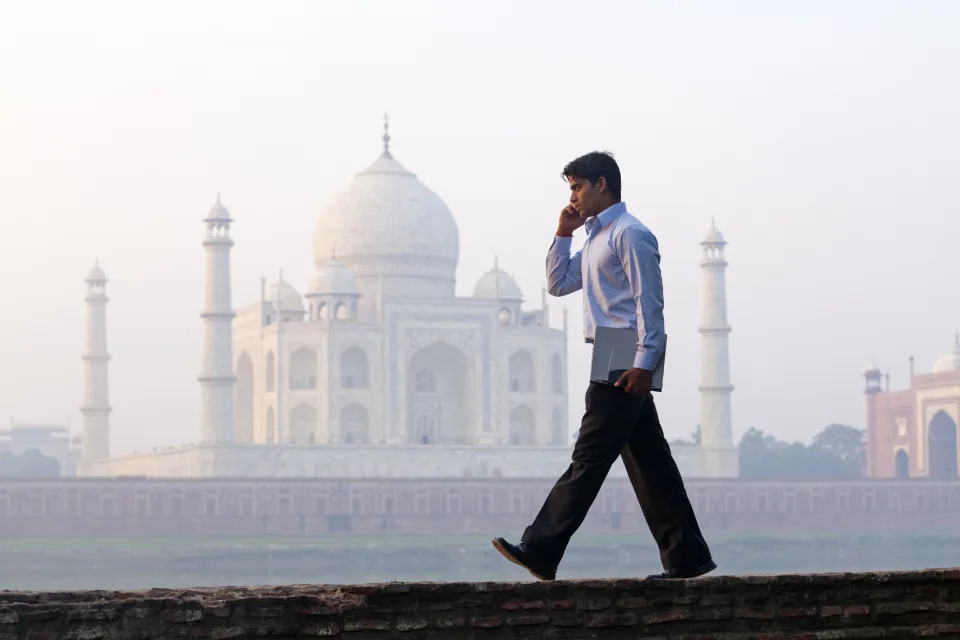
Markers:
563,270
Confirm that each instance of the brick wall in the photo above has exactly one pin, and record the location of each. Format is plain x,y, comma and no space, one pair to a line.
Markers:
789,607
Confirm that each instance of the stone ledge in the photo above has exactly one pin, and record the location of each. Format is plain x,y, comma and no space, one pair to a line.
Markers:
907,604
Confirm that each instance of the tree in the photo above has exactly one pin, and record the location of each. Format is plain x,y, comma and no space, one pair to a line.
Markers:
29,464
836,452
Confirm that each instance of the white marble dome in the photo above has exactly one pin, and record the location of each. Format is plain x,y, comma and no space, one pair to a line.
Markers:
498,285
283,291
96,274
386,216
218,211
950,361
333,278
713,235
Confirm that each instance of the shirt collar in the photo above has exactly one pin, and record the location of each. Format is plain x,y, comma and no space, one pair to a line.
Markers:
605,217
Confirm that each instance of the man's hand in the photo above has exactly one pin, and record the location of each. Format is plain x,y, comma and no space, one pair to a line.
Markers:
635,381
570,221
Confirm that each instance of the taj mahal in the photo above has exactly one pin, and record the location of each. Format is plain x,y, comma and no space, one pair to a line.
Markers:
379,370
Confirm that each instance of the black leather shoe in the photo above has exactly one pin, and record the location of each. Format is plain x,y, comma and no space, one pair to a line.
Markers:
520,554
686,572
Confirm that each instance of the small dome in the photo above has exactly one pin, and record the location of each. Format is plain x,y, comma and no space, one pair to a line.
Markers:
96,274
218,211
871,367
950,361
333,277
497,285
289,299
713,235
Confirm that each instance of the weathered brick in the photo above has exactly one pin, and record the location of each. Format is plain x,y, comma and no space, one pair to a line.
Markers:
594,584
137,613
318,610
527,619
486,623
181,615
42,634
513,605
713,613
436,606
323,629
567,620
448,622
366,625
93,613
220,633
897,608
84,633
408,624
632,603
945,629
265,611
797,612
714,600
758,614
396,587
856,609
832,610
8,617
595,604
661,617
40,614
562,604
600,620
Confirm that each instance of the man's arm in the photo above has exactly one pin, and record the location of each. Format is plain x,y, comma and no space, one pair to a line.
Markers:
563,271
640,257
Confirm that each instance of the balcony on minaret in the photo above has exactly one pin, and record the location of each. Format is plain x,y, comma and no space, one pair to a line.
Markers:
218,224
713,244
873,379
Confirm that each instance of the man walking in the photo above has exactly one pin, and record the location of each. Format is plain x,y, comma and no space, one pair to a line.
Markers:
619,272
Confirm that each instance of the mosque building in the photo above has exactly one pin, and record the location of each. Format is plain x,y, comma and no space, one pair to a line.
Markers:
912,433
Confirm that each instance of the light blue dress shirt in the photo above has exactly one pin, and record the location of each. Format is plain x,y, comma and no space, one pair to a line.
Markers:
618,269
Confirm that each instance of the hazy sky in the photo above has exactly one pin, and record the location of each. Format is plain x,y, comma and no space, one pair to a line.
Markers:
822,136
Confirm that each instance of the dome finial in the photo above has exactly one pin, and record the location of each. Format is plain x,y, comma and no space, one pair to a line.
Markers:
386,134
496,264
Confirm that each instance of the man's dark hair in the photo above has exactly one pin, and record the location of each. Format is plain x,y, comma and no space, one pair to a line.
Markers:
592,167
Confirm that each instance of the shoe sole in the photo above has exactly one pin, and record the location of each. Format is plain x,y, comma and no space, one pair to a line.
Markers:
700,571
509,556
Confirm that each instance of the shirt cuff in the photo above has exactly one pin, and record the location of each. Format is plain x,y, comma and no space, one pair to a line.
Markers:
646,359
562,243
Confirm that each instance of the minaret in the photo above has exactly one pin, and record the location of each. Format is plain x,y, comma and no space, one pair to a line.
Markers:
96,406
216,370
716,440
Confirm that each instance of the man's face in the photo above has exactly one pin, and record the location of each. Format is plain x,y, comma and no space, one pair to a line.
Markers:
586,197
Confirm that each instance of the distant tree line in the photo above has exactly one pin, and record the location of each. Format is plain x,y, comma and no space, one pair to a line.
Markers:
29,464
837,452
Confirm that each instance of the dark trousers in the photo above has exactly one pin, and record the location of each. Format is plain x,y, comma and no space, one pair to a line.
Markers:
617,423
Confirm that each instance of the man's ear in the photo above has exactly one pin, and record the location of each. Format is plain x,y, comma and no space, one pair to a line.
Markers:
602,184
